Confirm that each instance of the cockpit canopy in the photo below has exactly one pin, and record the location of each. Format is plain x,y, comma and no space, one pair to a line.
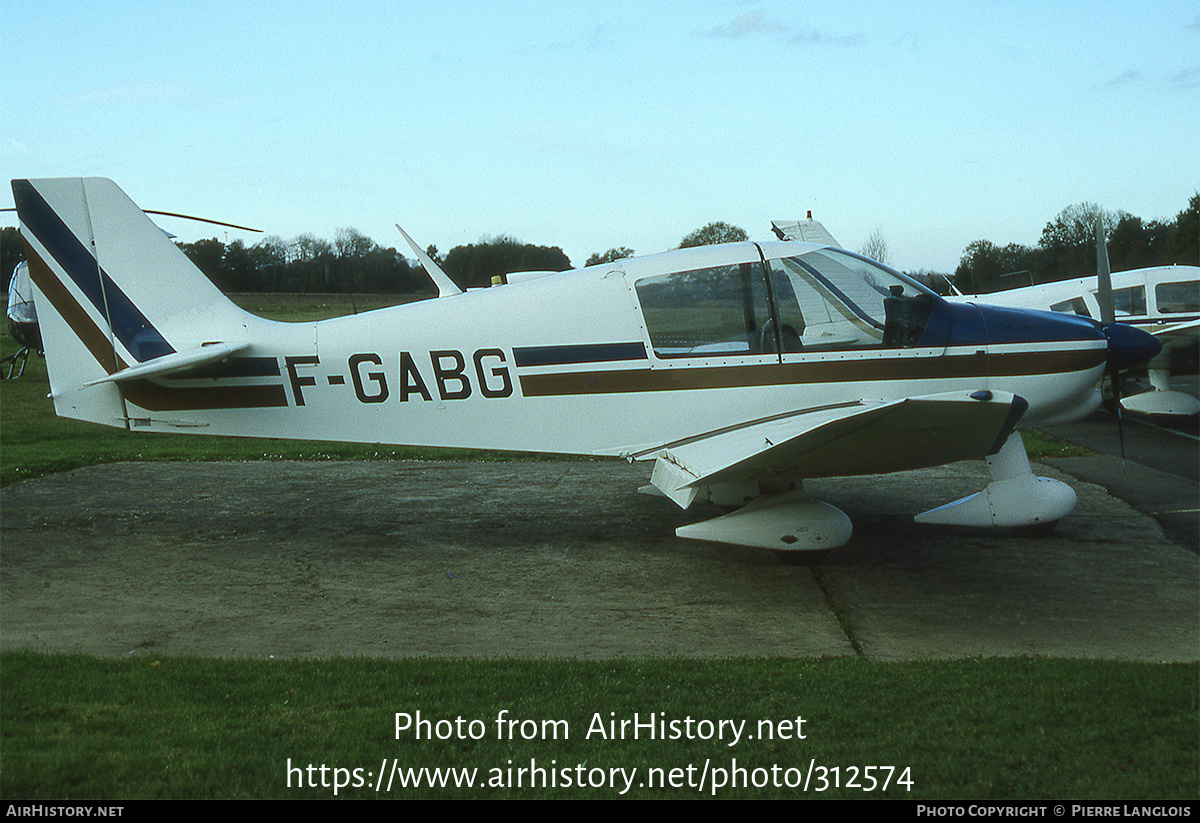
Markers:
821,299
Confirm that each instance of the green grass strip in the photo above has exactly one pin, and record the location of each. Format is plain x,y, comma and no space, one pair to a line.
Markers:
163,727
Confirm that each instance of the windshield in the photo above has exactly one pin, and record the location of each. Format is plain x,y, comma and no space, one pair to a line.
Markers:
840,300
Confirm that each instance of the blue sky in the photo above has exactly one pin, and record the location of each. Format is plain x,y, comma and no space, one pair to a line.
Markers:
590,125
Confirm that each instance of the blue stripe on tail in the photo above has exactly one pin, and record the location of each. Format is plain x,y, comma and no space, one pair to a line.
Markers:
129,325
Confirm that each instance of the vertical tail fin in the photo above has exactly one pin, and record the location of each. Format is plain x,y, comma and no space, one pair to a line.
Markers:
113,292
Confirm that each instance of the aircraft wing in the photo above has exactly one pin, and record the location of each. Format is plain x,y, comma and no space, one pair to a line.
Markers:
861,437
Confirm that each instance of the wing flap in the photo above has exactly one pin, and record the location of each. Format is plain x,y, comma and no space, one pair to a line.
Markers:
858,438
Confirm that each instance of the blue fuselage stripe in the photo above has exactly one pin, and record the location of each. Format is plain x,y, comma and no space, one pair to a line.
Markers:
586,353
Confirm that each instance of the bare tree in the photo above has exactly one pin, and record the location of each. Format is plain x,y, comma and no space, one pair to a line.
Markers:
1076,226
876,248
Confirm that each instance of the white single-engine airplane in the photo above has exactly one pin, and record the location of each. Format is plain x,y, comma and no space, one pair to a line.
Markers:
738,370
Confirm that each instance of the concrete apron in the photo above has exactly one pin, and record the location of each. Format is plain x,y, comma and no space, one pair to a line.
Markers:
559,559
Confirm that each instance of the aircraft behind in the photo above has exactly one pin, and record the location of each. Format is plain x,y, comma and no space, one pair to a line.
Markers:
1161,300
22,321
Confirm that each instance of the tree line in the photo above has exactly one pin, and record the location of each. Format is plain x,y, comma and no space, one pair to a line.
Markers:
1067,248
353,263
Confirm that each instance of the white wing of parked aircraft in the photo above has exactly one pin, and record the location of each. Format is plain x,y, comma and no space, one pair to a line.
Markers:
737,370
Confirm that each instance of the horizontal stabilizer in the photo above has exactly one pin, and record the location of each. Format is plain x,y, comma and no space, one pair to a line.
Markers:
209,353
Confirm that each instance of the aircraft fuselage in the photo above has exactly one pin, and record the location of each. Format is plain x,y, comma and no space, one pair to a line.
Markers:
569,363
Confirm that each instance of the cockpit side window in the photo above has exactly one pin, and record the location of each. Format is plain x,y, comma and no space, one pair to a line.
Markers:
719,311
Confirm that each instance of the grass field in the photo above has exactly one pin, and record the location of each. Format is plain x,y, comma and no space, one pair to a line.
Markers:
151,727
304,307
147,727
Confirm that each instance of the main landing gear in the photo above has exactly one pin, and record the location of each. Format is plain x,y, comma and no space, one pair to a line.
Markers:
801,531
